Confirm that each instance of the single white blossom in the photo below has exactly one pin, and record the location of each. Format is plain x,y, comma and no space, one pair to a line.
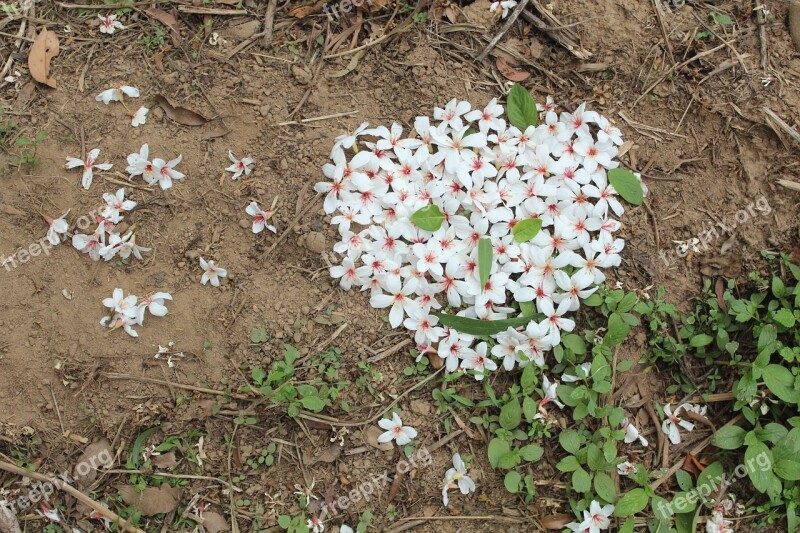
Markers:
395,430
211,272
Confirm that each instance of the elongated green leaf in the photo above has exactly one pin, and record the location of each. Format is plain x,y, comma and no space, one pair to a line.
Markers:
485,252
521,108
429,218
526,229
626,185
780,382
480,328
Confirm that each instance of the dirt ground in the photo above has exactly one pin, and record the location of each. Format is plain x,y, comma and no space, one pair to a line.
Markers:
698,133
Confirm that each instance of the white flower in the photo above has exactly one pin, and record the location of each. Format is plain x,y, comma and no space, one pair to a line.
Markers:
595,519
632,434
211,272
260,218
139,164
672,423
139,117
116,94
115,204
345,529
550,393
582,372
626,468
164,172
89,244
478,361
109,24
239,166
88,166
502,7
315,525
58,227
121,304
395,430
718,524
457,477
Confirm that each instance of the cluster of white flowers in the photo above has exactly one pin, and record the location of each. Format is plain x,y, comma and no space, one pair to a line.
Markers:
156,171
483,177
128,311
105,242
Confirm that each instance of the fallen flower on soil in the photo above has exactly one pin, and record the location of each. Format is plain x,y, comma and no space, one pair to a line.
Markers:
115,205
626,468
260,218
129,311
109,24
211,272
395,430
672,422
456,477
632,434
58,227
88,166
139,117
239,166
117,94
503,7
164,172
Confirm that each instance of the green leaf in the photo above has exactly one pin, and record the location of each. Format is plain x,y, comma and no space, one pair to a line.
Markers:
627,527
511,415
710,477
722,20
626,185
526,229
285,521
480,328
758,462
728,438
259,335
511,481
568,464
788,469
604,487
527,308
521,108
485,252
313,403
581,481
617,331
531,452
784,317
780,381
574,343
258,375
570,440
662,509
429,218
701,340
631,503
497,448
778,288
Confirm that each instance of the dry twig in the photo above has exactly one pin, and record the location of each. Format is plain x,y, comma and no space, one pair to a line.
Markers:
507,26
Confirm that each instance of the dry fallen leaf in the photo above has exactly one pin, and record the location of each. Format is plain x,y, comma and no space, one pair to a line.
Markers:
351,66
181,115
328,455
371,435
165,461
8,522
95,455
167,19
556,521
215,522
300,12
150,501
43,49
510,73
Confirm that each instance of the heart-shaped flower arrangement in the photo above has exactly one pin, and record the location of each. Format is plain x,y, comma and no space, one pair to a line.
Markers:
473,229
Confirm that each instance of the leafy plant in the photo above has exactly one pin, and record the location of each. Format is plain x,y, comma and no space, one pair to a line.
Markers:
27,151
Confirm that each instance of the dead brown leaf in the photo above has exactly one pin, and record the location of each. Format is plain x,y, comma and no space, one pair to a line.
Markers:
328,455
215,522
181,115
8,522
371,435
43,49
301,12
556,521
510,73
94,456
151,501
170,20
165,461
